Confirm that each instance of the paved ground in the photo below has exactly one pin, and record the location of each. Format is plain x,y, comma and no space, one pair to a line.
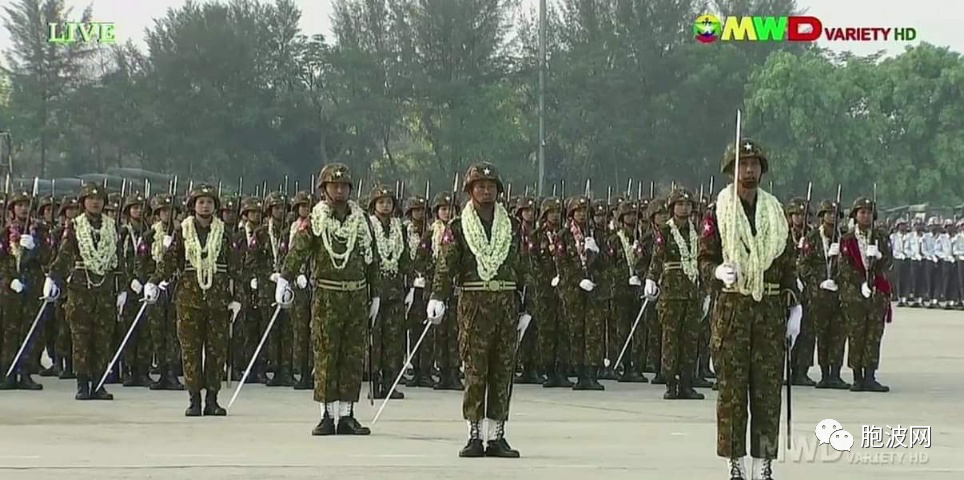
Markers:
625,432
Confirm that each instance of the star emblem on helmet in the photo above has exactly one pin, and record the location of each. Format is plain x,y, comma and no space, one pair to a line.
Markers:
338,173
748,146
487,171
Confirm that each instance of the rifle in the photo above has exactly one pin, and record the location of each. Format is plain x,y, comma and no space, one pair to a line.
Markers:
835,233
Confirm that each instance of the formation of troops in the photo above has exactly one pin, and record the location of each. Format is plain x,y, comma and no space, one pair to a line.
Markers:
327,289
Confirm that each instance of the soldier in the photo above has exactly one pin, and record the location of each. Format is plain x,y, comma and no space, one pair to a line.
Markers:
112,209
553,327
816,267
47,212
417,297
582,264
138,351
801,357
69,209
627,264
865,293
898,239
957,249
447,332
746,248
200,256
601,224
300,311
262,263
85,264
946,267
393,263
658,216
254,321
340,242
674,276
913,243
524,211
480,255
931,266
23,252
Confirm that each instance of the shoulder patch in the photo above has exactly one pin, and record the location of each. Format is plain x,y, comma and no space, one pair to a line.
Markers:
709,226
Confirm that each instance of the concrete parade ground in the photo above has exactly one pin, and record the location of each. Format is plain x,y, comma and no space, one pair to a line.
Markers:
626,432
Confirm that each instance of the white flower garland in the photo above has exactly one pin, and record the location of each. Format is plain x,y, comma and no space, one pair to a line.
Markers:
324,225
414,239
204,266
275,243
103,257
736,237
438,231
687,251
863,241
157,248
15,249
628,249
391,246
489,253
294,229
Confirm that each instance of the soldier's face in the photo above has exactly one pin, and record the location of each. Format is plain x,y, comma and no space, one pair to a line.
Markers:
682,209
164,214
48,214
254,216
111,214
599,218
864,217
418,214
580,215
528,214
277,212
630,219
750,172
229,216
303,210
827,218
71,212
661,218
796,219
384,206
94,205
444,213
337,192
204,207
135,212
485,192
21,210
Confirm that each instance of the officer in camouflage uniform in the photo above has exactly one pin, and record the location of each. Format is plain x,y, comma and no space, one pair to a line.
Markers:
481,256
602,228
627,264
447,332
338,238
821,249
262,262
47,212
85,264
865,297
200,255
582,262
658,216
756,286
553,327
394,264
112,209
255,321
674,276
69,209
801,357
417,297
524,209
23,252
300,311
138,351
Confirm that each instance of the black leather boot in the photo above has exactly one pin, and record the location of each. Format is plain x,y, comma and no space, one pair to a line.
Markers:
10,382
858,385
282,378
696,381
83,388
474,448
593,375
194,409
659,379
27,383
582,379
801,379
836,382
211,407
68,369
672,389
307,381
825,378
499,447
686,391
101,393
389,380
349,426
631,375
870,382
172,382
555,379
55,370
325,427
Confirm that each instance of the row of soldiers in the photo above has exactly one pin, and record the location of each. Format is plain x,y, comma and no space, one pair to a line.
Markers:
929,262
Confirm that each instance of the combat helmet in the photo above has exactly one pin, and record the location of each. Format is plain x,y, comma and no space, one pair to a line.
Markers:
523,202
229,203
575,203
441,199
415,202
626,207
203,190
796,206
600,207
114,201
549,204
302,198
860,203
334,173
136,199
91,190
748,149
250,203
678,195
379,192
275,199
47,201
20,196
481,171
68,202
162,201
828,206
656,207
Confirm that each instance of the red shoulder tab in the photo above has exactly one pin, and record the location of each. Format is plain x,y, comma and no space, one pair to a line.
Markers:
709,226
807,247
658,237
448,237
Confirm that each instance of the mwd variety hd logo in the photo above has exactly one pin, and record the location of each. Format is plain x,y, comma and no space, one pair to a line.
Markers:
708,29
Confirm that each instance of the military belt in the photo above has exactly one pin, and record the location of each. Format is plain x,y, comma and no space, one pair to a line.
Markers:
341,286
769,289
219,268
672,266
489,286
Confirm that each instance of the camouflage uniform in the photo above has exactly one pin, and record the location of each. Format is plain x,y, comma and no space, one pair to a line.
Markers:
627,258
658,216
340,303
529,355
138,352
90,307
202,299
749,335
20,266
418,257
801,356
823,305
487,314
866,316
300,310
553,327
255,317
604,295
47,212
446,333
69,209
679,302
584,309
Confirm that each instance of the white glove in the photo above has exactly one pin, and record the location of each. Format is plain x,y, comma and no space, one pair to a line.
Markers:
873,251
373,310
281,294
829,285
635,281
833,250
590,244
163,285
301,281
151,293
726,273
435,311
555,281
254,284
793,323
27,241
168,240
799,285
650,290
706,305
274,277
586,285
50,290
410,297
419,282
16,285
136,286
933,259
865,290
523,324
121,300
234,308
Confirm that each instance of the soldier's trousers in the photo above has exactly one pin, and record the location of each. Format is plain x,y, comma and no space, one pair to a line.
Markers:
627,308
279,340
830,328
932,273
904,278
51,329
92,315
339,328
18,312
586,327
654,339
865,329
447,339
424,359
681,335
162,319
138,352
203,330
801,356
960,281
387,341
918,270
611,343
748,350
65,346
487,342
256,321
300,313
553,330
948,280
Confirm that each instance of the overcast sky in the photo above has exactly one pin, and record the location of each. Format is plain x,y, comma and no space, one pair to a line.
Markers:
931,18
